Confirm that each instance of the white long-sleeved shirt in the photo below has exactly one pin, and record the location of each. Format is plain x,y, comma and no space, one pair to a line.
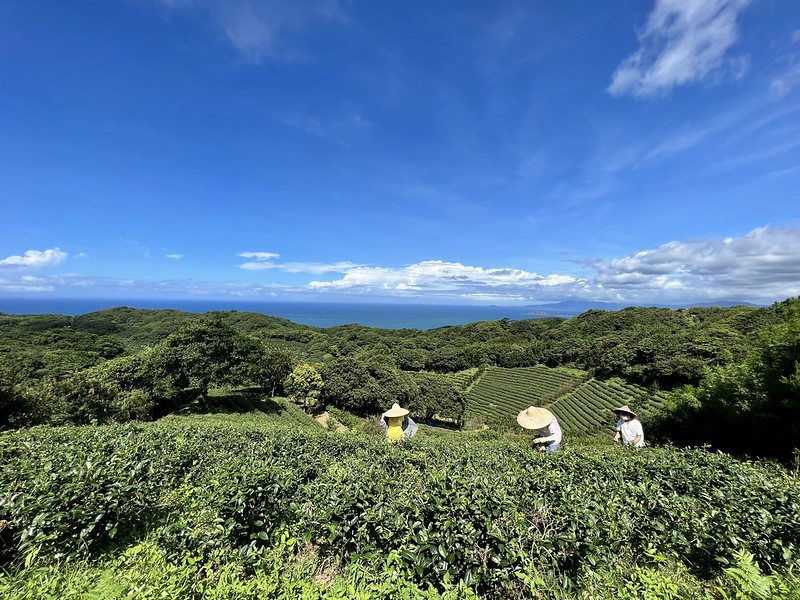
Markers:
629,430
551,433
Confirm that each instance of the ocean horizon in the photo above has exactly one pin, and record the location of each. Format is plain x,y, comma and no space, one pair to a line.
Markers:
316,314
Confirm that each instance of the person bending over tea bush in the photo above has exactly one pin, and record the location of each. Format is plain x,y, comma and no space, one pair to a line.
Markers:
400,426
545,426
629,428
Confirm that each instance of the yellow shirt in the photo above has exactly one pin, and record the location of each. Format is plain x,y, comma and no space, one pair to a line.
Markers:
395,429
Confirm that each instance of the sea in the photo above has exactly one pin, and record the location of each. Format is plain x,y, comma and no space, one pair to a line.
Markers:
317,314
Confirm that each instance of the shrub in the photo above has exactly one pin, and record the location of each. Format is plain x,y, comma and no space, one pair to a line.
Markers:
465,508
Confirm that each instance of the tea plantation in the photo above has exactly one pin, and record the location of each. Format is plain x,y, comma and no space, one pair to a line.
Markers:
582,403
270,505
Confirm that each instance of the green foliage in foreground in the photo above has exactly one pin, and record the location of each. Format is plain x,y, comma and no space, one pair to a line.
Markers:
289,571
219,505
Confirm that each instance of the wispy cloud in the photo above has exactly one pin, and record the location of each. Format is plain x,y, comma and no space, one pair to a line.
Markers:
303,267
36,258
16,288
336,128
263,29
682,41
264,261
174,256
25,284
785,82
677,144
80,285
259,256
753,129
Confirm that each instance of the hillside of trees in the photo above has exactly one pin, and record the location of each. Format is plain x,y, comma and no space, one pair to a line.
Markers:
731,375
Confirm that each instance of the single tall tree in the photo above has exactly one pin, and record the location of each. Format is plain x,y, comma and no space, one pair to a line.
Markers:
202,353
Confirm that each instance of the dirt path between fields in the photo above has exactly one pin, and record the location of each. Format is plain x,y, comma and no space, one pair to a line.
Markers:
328,422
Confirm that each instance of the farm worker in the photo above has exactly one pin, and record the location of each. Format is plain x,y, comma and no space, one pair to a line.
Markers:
629,428
545,426
400,425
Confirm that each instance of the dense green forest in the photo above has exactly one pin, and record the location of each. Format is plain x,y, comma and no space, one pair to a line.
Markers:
730,375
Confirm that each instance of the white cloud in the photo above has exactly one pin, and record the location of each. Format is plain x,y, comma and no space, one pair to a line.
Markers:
260,256
36,258
436,276
18,288
263,29
174,256
264,261
762,265
682,41
317,268
785,82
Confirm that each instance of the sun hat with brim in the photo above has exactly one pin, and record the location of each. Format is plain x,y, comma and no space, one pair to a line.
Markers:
624,409
396,411
534,417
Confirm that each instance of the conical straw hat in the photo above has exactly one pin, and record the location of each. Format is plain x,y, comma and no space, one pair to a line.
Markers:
396,411
534,417
624,409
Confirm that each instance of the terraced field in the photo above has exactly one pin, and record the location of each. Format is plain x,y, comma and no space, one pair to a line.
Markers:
501,393
464,379
587,409
582,405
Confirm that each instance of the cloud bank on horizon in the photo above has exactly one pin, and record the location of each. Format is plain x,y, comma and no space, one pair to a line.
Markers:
508,152
762,266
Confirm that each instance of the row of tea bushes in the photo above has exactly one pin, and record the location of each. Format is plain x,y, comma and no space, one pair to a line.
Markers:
469,508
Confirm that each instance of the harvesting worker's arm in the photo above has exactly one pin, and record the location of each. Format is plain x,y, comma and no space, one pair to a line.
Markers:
410,428
545,426
629,428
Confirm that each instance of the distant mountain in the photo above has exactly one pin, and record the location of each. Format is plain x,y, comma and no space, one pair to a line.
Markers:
725,304
576,307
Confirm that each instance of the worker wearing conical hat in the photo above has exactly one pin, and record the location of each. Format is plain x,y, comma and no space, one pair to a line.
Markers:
397,425
629,428
545,426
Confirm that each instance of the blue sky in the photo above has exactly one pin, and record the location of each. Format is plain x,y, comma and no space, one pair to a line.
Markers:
496,152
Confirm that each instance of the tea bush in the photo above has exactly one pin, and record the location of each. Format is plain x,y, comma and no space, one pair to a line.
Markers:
488,513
